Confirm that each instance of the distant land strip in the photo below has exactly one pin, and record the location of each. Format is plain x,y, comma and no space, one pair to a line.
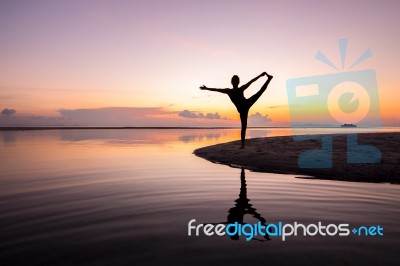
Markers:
76,127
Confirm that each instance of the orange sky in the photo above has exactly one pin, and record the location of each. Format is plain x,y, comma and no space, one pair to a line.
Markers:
153,55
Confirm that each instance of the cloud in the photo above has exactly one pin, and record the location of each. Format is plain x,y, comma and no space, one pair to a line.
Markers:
108,117
276,106
114,116
7,111
258,120
189,114
118,117
213,116
33,121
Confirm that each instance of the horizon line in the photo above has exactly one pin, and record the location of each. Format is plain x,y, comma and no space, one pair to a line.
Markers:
111,127
148,127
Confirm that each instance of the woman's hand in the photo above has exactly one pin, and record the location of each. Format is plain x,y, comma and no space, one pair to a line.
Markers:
203,87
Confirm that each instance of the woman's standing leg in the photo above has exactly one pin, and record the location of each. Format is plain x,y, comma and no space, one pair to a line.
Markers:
243,120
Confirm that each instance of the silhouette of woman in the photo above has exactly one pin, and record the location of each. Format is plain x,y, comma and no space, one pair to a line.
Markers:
237,97
243,207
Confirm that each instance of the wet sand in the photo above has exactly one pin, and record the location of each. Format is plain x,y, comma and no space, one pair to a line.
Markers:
280,155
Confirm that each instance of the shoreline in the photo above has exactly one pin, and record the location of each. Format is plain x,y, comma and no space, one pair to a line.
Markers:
280,155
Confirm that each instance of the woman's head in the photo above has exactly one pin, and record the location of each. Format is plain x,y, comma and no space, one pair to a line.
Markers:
235,81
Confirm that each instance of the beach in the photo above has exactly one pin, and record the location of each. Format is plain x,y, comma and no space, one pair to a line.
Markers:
280,155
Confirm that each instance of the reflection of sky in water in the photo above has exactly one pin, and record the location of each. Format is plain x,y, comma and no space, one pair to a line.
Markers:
163,136
82,197
258,133
192,138
146,135
9,137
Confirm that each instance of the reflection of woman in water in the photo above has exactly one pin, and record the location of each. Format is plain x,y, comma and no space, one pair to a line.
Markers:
237,97
243,207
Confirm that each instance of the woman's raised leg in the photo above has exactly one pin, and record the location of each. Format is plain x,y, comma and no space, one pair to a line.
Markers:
255,97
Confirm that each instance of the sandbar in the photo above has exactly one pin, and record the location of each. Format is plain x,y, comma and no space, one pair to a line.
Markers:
281,155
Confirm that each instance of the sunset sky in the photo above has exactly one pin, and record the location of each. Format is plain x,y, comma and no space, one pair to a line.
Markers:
140,63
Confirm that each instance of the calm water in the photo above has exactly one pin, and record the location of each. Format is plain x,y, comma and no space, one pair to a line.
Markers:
125,197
